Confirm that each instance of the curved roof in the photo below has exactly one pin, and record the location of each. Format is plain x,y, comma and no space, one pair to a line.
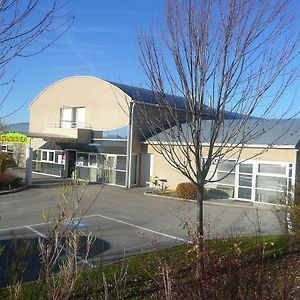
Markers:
148,96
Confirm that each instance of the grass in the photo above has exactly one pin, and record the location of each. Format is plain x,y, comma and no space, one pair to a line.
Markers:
139,277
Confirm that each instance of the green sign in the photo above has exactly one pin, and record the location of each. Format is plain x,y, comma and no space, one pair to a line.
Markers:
14,138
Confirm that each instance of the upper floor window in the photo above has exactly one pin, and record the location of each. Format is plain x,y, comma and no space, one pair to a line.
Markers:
72,117
113,134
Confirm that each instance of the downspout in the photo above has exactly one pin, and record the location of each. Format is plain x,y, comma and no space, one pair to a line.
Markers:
129,146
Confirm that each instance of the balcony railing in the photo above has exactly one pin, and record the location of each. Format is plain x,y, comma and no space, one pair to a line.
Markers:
67,124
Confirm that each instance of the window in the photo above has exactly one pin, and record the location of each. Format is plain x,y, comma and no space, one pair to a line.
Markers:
72,117
51,156
121,162
245,180
272,183
93,160
119,133
268,196
246,168
82,159
48,155
244,193
228,178
272,169
227,166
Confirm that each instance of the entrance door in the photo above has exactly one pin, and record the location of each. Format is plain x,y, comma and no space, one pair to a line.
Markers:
71,162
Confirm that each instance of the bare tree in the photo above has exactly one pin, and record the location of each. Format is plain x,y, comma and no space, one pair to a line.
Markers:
23,24
230,61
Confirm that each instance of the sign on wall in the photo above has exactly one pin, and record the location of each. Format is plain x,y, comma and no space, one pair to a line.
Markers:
14,138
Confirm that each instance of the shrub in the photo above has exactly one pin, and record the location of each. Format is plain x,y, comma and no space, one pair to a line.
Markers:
216,194
4,157
9,181
186,190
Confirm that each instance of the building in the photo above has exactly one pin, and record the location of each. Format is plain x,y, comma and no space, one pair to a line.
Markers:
82,127
87,128
269,166
17,151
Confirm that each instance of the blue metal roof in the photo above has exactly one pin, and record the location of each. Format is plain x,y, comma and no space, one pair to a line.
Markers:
148,96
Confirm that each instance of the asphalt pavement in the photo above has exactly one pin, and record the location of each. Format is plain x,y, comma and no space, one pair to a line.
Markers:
127,222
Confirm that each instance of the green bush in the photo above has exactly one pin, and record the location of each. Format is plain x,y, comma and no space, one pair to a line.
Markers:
216,194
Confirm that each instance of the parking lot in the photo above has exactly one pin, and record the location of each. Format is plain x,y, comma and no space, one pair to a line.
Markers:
126,222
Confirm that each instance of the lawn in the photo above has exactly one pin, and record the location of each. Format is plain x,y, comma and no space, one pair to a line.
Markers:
235,268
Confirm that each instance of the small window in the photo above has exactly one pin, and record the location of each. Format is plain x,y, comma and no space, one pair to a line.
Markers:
44,155
290,170
51,156
245,180
82,159
10,148
93,160
244,193
246,168
48,155
227,166
226,178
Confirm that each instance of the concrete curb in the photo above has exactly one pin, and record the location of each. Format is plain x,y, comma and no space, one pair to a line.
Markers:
22,188
260,206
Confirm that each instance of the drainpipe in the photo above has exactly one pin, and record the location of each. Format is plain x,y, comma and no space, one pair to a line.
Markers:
129,146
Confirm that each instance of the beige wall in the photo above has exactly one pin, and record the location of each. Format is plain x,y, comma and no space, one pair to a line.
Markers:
163,170
36,143
106,105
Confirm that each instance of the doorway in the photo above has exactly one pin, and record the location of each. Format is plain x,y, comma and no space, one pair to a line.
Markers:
71,162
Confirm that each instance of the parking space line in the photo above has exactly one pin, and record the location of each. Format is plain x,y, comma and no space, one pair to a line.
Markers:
144,228
100,216
23,226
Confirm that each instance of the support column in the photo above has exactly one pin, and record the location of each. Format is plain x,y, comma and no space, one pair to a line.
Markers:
28,169
129,146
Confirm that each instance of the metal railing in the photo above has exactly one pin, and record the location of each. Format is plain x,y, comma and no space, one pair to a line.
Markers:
67,124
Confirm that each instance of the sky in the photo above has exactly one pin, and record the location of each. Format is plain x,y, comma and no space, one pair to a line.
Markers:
101,42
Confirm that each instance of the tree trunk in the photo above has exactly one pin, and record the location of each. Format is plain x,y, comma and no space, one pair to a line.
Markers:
200,221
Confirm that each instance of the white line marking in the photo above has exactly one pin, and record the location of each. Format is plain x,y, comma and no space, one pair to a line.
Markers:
24,226
144,228
41,224
104,217
36,232
61,246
